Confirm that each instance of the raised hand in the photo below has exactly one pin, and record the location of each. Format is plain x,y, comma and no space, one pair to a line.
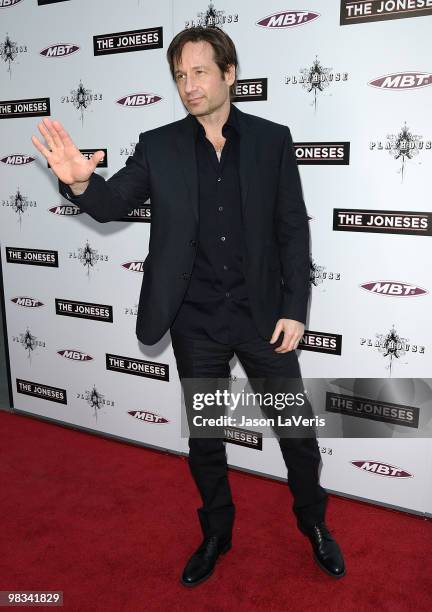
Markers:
65,159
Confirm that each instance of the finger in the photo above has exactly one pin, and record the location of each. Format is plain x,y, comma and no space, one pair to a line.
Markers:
96,158
40,147
62,134
276,333
43,130
53,132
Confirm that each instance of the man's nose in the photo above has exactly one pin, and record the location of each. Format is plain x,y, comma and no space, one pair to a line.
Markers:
189,83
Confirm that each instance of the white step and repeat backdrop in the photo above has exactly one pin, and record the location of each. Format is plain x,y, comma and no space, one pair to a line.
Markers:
352,80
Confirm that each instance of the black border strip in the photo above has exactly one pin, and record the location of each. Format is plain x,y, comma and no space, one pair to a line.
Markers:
6,344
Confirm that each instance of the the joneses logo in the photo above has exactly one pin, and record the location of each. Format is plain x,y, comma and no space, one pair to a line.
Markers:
380,469
9,51
212,17
402,146
382,221
81,98
59,50
141,214
84,310
74,355
30,107
19,203
325,153
402,81
250,90
316,79
287,19
391,288
88,257
96,400
392,347
321,342
148,417
123,42
138,367
29,342
18,159
27,302
243,437
364,11
319,275
46,392
373,410
33,257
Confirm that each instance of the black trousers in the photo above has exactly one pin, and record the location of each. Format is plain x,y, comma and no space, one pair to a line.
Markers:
206,358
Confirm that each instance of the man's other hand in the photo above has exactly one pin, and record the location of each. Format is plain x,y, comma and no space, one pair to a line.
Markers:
293,332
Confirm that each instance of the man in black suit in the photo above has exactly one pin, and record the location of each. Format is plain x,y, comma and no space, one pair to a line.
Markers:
228,265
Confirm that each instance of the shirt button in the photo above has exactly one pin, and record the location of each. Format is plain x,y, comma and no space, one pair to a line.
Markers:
222,238
220,208
225,267
192,243
219,179
228,294
185,275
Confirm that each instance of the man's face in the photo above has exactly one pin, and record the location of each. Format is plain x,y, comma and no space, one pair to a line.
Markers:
201,86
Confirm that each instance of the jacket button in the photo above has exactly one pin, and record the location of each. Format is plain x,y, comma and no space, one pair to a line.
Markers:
192,243
185,275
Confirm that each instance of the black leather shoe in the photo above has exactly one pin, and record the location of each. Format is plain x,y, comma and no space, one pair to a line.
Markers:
327,553
201,564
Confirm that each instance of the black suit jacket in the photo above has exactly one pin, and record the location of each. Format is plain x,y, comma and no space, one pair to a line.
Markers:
163,167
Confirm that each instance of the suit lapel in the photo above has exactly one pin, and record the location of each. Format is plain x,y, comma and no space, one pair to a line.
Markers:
247,157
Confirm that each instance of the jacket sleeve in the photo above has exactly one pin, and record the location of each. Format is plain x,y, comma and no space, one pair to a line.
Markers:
112,199
292,228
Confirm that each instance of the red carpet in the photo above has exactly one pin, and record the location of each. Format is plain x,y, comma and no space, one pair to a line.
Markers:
111,525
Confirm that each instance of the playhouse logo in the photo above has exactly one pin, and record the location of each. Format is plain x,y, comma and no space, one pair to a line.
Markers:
9,51
19,203
287,19
81,98
88,257
316,79
392,347
319,274
403,147
402,81
29,343
97,401
212,17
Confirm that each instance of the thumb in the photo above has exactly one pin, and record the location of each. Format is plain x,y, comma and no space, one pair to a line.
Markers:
97,157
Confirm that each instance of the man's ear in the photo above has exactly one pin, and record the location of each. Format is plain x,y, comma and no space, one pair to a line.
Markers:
230,74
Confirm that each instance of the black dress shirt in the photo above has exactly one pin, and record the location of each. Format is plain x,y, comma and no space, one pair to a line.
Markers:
216,303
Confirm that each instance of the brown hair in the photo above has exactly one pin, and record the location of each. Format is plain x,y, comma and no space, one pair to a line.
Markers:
224,50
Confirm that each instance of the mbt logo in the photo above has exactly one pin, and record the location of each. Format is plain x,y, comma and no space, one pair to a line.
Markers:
59,50
74,355
134,266
8,3
381,469
287,19
393,288
138,100
148,417
399,81
17,160
65,210
28,302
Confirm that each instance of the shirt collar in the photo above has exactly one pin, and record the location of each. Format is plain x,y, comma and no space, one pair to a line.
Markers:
231,122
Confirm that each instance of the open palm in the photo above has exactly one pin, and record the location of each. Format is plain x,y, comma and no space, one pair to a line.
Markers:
65,159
